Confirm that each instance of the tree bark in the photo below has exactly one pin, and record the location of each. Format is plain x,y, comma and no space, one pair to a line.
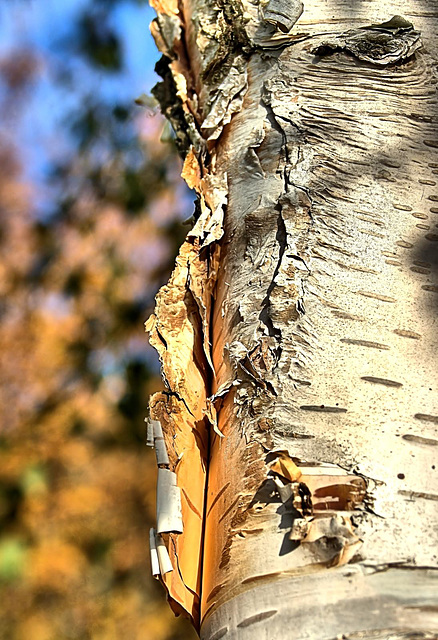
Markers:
298,333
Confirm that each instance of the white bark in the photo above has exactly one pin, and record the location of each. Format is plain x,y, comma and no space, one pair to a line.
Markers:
320,518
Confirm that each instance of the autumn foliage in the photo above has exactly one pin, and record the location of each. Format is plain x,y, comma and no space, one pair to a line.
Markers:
76,284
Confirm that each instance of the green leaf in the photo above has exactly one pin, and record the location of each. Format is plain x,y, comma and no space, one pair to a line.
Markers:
34,480
12,559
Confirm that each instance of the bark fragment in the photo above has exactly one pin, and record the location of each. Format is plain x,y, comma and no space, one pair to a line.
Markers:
169,519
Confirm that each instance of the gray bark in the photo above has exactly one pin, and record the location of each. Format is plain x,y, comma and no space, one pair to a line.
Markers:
314,135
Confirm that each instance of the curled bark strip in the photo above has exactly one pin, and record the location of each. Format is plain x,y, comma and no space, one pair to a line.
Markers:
283,14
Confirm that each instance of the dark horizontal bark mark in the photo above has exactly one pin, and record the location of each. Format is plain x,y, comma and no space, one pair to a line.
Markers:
384,381
405,333
395,263
394,634
404,245
301,436
257,618
365,343
366,218
421,263
306,383
418,494
219,634
421,270
410,437
376,296
322,408
426,417
346,316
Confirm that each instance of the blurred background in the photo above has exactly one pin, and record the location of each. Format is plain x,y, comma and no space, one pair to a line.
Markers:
91,211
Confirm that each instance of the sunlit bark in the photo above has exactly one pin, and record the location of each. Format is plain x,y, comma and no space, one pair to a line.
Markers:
298,333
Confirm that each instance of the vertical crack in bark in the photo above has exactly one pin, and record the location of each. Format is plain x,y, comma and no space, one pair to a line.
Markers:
264,316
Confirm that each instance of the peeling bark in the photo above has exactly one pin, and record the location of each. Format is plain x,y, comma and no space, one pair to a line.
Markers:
297,333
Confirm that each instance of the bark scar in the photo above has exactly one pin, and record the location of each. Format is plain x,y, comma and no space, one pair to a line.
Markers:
383,44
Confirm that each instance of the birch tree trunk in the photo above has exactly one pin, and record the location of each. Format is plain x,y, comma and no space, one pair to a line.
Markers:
298,332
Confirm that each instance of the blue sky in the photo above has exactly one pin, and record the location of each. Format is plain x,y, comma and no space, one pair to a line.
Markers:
46,27
42,25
